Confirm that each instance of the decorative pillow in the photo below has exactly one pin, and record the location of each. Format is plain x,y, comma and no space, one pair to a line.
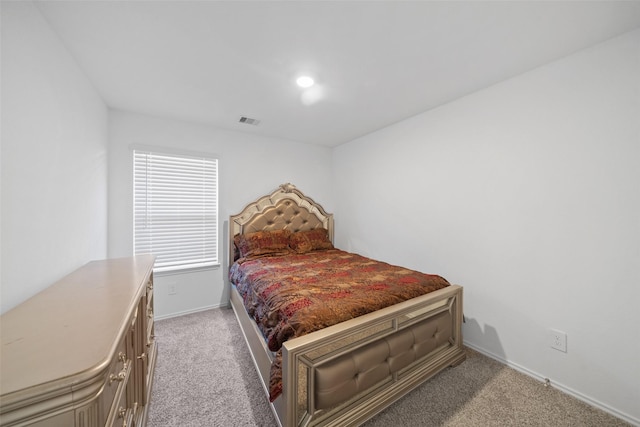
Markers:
274,242
300,243
310,240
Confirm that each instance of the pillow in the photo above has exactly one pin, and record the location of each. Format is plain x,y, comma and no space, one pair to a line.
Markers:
310,240
274,242
300,243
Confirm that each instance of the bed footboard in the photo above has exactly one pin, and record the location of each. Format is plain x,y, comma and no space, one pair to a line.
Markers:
345,374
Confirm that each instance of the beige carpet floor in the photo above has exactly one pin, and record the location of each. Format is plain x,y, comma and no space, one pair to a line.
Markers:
205,377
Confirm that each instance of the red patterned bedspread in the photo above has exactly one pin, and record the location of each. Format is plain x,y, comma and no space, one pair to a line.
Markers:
293,295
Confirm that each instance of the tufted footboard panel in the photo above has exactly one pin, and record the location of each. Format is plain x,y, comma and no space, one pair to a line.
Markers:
340,379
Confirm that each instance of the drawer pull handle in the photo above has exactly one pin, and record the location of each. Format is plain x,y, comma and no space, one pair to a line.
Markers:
121,375
119,378
143,356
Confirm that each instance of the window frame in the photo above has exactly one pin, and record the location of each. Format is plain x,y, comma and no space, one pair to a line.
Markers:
147,186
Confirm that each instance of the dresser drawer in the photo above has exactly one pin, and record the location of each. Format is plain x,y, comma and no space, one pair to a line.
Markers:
123,415
116,380
114,395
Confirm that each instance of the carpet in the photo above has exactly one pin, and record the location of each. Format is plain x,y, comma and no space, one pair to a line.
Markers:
205,377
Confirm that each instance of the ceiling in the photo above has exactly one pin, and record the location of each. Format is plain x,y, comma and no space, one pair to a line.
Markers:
375,63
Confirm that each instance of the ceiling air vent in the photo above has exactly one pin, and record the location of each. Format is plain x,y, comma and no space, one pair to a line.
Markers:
249,121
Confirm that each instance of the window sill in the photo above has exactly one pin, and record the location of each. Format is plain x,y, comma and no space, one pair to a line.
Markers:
184,270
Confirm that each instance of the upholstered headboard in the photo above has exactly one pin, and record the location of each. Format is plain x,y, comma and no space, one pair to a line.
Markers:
285,208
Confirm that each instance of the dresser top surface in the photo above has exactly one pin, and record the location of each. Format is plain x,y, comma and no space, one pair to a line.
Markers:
67,333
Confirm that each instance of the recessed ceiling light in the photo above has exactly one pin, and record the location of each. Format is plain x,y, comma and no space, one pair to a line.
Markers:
304,81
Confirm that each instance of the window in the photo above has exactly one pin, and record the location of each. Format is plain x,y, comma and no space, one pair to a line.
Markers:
175,209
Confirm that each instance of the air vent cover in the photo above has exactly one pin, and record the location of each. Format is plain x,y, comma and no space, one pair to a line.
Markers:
249,121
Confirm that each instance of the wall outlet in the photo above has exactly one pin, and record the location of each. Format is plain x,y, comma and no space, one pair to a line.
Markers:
172,288
558,340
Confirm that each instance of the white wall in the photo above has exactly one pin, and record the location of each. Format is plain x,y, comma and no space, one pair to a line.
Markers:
249,167
527,194
54,159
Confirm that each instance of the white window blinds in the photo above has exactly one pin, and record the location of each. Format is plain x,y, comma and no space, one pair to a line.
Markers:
176,209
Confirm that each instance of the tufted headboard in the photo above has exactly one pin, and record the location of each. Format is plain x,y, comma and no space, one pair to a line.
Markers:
285,208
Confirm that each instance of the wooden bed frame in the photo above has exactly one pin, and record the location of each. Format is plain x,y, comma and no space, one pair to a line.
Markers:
434,320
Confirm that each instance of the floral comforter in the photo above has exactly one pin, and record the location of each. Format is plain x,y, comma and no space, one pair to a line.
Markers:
292,295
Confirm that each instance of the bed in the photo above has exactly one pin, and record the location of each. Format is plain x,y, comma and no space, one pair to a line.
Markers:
354,367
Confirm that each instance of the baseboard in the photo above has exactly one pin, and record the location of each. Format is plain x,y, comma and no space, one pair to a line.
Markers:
195,310
563,388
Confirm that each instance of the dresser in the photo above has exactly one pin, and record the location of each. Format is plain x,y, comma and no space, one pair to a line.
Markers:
81,353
